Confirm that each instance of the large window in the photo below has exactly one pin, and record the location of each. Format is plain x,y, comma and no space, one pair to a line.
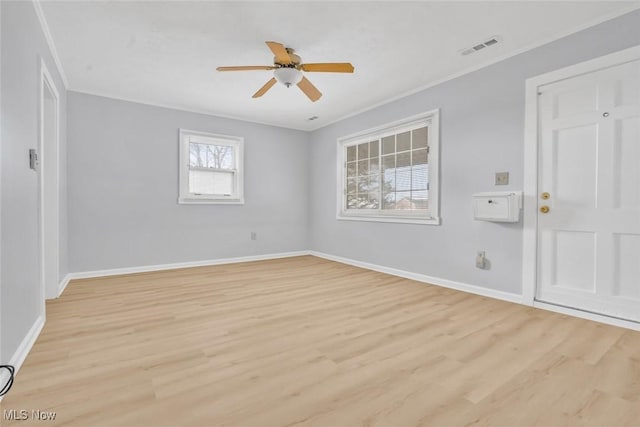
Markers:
210,168
391,173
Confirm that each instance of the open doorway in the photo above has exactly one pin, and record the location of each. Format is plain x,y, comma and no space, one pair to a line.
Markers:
49,182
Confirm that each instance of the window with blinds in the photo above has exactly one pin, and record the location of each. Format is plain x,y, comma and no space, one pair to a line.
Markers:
210,168
390,173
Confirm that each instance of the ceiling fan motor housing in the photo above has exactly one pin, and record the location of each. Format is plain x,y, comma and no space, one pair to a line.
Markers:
295,59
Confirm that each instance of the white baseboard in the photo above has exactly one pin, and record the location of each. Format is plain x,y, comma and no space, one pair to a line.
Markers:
478,290
63,284
174,266
29,340
24,348
465,287
614,321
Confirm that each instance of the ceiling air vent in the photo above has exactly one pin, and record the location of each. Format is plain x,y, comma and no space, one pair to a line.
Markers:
488,43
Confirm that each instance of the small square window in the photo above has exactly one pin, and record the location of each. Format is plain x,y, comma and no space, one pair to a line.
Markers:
210,168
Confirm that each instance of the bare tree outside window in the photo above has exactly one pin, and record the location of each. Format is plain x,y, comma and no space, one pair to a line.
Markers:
211,168
210,156
389,173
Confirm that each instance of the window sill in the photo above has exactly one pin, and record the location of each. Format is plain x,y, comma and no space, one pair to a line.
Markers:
211,201
408,220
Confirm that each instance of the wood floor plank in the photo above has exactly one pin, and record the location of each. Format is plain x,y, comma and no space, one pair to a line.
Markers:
309,342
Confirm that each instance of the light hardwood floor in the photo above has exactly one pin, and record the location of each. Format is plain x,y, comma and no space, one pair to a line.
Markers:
309,342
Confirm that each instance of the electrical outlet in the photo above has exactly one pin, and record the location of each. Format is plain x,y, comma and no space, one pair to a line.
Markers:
502,178
254,236
481,260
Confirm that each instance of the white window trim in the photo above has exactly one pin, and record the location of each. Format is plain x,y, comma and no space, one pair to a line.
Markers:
187,198
428,118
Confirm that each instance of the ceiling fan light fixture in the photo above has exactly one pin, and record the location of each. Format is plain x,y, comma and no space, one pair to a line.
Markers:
288,68
288,75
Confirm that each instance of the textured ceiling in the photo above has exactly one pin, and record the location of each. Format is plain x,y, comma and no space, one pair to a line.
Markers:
165,53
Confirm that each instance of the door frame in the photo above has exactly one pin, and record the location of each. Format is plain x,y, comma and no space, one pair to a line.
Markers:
530,207
47,84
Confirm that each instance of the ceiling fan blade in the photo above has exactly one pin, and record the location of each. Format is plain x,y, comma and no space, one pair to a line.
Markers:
264,88
246,68
309,89
335,67
280,52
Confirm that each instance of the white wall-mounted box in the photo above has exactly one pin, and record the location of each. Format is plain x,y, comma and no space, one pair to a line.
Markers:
499,206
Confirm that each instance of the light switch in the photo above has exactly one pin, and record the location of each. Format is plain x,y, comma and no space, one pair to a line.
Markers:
502,178
34,162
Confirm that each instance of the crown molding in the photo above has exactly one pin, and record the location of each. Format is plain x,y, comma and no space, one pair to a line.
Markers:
592,23
52,46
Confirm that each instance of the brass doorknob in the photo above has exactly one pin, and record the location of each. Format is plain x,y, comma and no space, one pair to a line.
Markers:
544,209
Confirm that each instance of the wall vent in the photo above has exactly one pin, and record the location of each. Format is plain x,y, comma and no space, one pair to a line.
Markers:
491,41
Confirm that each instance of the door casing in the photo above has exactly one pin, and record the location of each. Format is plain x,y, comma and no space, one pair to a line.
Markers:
530,213
49,185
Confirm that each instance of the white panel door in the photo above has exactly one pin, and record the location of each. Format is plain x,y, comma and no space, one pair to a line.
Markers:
589,192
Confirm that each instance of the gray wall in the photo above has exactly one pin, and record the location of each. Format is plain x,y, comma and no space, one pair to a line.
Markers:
120,199
482,128
123,189
23,44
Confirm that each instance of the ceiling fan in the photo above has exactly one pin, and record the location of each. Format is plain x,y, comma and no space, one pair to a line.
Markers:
287,69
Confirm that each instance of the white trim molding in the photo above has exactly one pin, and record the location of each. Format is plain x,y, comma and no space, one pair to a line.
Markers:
592,23
49,235
479,290
529,246
63,284
599,20
52,46
24,348
437,281
178,265
614,321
